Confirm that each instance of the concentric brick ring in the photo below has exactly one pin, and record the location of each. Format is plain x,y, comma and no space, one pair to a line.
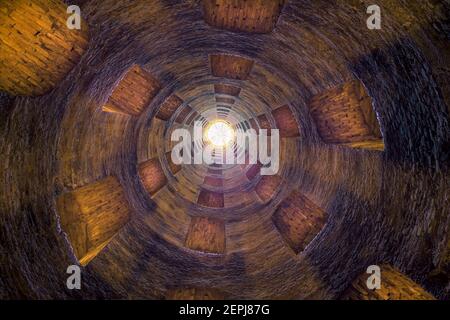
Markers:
88,178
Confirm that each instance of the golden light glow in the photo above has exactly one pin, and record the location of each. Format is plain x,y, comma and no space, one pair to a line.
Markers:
220,133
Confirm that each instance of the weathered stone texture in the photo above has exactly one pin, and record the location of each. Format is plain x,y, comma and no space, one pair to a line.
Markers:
298,220
230,66
152,175
268,186
225,100
194,294
286,122
92,215
387,206
227,89
35,57
167,109
210,199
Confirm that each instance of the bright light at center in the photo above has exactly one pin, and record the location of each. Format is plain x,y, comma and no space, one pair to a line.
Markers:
220,133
